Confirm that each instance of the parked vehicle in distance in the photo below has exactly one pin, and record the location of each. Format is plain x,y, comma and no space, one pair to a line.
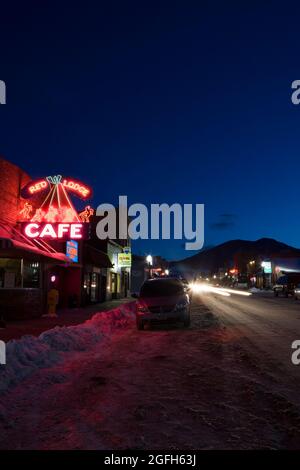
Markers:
297,292
162,299
286,285
242,282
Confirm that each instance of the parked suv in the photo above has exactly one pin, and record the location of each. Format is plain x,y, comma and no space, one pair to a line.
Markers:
286,284
162,299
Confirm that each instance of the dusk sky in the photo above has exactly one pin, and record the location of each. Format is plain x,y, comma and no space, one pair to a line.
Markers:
185,102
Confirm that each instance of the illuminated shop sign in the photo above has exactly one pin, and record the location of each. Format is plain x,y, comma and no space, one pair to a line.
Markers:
267,267
72,250
124,260
56,231
56,217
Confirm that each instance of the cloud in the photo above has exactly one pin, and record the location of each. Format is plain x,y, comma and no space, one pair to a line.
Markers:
225,221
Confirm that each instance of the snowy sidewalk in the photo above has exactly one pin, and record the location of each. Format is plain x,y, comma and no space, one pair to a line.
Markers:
29,354
66,317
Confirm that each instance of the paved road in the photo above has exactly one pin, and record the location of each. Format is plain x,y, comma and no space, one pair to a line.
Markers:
268,324
224,383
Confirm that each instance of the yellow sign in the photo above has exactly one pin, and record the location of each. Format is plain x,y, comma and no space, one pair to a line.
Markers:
124,260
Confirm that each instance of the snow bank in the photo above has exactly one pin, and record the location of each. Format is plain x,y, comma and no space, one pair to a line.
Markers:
255,290
26,355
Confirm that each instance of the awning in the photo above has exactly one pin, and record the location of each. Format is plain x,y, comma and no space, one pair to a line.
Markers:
96,257
6,246
12,239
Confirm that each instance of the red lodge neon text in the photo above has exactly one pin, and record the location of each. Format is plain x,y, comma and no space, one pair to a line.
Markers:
38,187
55,231
76,187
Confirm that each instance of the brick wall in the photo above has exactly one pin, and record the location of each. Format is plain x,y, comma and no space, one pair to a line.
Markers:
12,179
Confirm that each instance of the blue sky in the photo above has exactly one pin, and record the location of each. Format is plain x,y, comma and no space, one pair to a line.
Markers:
161,101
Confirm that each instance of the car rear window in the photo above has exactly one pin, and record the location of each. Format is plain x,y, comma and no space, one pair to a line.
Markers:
161,289
290,279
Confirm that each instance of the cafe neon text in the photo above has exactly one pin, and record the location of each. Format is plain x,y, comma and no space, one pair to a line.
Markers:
54,231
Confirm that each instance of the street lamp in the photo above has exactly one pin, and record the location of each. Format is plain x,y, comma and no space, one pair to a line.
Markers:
149,260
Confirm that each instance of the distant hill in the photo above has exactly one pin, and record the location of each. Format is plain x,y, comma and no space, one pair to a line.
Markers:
226,254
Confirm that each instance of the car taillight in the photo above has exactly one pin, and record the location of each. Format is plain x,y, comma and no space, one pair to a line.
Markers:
141,308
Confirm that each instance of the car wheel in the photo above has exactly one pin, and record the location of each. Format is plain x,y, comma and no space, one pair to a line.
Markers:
139,324
286,294
295,297
275,293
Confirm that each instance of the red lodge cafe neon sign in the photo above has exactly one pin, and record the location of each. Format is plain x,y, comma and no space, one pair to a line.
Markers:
56,217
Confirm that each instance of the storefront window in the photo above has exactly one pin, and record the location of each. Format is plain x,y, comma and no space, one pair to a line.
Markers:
94,287
17,274
10,273
87,284
113,283
31,274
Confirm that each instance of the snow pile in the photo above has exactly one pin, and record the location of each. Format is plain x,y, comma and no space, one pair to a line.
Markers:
26,355
254,289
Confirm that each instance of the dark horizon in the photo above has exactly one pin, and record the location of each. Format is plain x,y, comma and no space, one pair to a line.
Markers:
236,240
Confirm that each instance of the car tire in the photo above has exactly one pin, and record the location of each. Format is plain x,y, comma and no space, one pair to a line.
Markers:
286,294
139,324
295,297
275,293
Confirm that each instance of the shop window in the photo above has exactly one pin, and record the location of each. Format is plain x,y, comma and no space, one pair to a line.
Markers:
31,274
113,283
87,284
15,275
10,273
94,287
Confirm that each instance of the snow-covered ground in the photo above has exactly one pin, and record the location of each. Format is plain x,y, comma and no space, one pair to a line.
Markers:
104,385
26,355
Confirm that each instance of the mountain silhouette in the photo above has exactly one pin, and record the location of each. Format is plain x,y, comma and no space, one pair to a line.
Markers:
227,254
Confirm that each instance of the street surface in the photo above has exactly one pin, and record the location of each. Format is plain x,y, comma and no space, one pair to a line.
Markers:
227,382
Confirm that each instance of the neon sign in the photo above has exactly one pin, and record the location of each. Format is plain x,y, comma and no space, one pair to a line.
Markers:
77,187
86,214
56,217
34,187
72,250
70,184
26,210
54,231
